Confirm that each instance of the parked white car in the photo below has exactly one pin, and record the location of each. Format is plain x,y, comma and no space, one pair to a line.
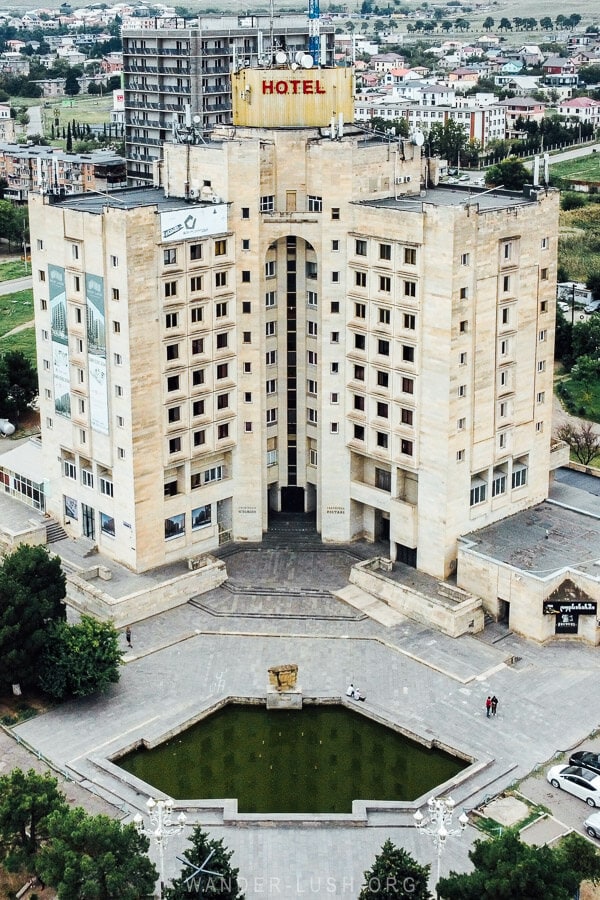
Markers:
582,783
592,825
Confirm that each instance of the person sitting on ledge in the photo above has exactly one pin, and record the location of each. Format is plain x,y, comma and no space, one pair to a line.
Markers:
350,690
357,695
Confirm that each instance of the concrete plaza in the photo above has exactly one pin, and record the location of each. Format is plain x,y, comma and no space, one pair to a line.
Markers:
276,609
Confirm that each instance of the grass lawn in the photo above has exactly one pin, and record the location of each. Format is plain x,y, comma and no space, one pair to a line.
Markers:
579,241
23,341
586,168
15,309
581,398
14,269
87,109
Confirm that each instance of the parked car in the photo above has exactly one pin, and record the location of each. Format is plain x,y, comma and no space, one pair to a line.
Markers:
593,307
565,308
592,825
582,783
586,759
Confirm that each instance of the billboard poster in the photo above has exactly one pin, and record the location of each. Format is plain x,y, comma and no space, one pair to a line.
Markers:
193,222
60,344
96,341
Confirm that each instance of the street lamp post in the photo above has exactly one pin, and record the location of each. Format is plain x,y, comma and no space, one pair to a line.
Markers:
162,827
437,825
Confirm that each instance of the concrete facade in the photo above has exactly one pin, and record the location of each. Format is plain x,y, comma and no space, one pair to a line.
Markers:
333,337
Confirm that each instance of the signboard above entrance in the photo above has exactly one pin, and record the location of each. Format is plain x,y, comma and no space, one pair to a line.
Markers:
292,97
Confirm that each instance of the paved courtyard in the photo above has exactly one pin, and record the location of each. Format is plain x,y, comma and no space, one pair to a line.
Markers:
223,642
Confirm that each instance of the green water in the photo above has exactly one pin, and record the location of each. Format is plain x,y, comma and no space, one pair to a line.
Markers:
315,760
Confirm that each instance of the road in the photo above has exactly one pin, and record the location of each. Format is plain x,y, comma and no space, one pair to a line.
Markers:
16,284
34,125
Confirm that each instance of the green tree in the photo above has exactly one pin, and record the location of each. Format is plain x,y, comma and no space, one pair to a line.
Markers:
95,857
222,884
510,173
32,588
395,873
546,23
448,140
26,799
80,659
69,144
488,23
19,379
72,86
505,24
505,867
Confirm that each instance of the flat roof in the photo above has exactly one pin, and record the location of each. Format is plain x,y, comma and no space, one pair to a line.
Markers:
454,195
544,539
128,198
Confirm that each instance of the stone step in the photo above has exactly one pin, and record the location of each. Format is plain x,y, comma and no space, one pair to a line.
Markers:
371,606
54,532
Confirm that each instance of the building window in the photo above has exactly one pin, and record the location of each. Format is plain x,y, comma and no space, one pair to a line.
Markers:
385,251
70,469
87,478
115,294
311,328
245,276
41,275
311,269
196,314
464,259
197,377
544,274
542,336
271,298
385,284
311,298
360,310
383,347
385,316
410,321
267,203
408,353
360,279
406,447
539,427
335,212
315,204
359,432
107,525
120,452
201,516
222,340
359,402
199,438
174,527
245,212
545,243
247,396
221,310
118,390
247,337
382,440
463,326
360,341
197,346
461,423
335,368
221,247
195,252
172,351
220,279
174,414
312,358
462,390
410,256
271,357
498,484
541,397
173,383
507,250
198,408
478,491
271,386
196,283
270,268
359,373
460,455
335,337
464,293
40,244
541,366
406,416
222,371
175,445
116,327
410,288
383,379
245,243
171,320
223,431
106,487
169,257
335,246
335,427
360,248
114,261
519,475
382,410
271,416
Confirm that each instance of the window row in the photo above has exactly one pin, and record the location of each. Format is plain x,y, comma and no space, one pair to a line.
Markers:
200,517
383,251
196,252
499,480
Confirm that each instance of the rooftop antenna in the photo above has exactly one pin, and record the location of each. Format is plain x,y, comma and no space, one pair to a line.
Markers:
314,41
271,29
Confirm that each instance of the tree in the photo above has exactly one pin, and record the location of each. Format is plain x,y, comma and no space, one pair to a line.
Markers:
20,380
582,439
80,659
395,873
510,173
488,24
220,886
32,588
546,23
505,867
95,857
25,802
505,24
72,86
448,140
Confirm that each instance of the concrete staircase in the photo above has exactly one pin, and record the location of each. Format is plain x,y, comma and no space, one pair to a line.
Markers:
54,532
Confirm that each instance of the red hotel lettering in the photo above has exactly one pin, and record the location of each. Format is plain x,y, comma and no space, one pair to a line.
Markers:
293,87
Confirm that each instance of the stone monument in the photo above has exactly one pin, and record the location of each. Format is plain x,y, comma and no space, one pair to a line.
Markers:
283,692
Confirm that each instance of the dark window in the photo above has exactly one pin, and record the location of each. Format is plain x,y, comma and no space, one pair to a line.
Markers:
383,379
173,383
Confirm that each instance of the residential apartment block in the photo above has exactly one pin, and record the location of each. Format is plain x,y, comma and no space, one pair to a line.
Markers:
291,320
40,168
481,123
177,74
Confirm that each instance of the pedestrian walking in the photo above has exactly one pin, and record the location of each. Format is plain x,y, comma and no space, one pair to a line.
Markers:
128,636
488,706
494,705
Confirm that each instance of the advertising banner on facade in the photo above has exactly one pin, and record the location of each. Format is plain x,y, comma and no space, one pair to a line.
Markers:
193,222
96,340
60,348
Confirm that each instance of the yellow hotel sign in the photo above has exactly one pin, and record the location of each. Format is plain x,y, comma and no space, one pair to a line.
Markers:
292,98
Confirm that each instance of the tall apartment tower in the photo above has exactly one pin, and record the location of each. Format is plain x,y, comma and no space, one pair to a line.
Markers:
296,318
177,74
